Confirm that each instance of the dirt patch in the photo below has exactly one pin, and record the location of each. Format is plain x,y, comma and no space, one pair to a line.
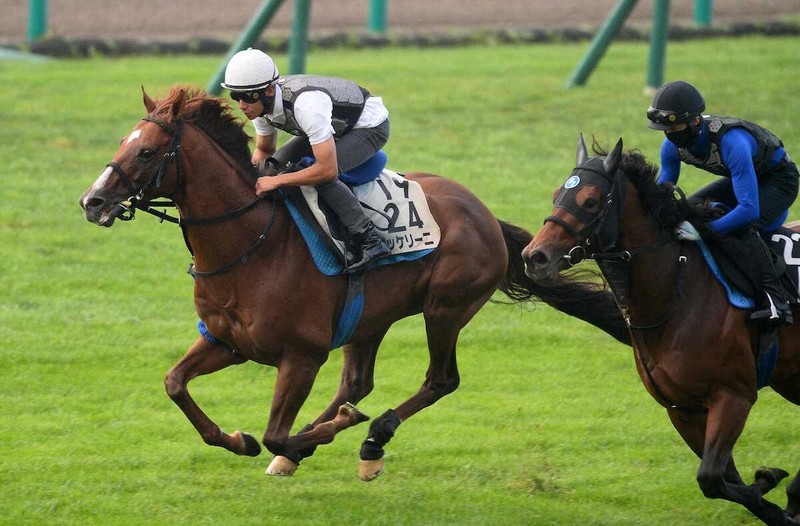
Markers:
177,20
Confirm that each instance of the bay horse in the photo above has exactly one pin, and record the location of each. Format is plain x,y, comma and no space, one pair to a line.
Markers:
694,352
262,299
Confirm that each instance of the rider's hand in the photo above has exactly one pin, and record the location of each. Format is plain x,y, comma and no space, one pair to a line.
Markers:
266,184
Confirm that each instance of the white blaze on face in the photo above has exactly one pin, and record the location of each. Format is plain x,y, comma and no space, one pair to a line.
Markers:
102,180
133,136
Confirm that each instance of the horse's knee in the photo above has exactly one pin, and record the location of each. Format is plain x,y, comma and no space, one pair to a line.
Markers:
452,384
274,445
365,389
174,386
711,484
447,386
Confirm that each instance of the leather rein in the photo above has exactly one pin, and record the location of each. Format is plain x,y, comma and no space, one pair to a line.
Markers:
173,154
609,255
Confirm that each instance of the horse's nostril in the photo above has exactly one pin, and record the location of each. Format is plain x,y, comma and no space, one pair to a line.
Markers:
92,203
538,258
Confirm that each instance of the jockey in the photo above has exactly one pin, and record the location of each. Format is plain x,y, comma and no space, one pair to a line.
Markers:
759,182
333,120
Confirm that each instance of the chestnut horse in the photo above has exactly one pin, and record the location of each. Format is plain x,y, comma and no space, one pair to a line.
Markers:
262,298
694,351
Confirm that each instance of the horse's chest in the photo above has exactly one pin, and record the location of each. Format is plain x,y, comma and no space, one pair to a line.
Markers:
261,330
225,318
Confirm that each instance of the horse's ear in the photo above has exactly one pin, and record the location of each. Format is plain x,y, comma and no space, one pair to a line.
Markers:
611,162
148,102
581,155
179,103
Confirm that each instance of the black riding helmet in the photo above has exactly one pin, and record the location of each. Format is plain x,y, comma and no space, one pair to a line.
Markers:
675,103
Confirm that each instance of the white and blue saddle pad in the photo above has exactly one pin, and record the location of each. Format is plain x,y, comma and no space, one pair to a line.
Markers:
397,207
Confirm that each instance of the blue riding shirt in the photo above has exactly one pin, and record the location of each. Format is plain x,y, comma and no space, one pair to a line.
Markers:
730,154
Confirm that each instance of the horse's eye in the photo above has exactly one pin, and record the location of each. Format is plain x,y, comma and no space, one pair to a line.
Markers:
146,154
591,203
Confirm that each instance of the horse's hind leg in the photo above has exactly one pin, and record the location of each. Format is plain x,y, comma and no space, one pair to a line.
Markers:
356,383
204,358
442,325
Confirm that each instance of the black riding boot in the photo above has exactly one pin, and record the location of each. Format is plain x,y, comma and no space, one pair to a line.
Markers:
772,307
368,247
367,244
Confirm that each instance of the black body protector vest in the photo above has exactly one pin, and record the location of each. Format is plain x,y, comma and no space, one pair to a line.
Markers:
347,96
766,141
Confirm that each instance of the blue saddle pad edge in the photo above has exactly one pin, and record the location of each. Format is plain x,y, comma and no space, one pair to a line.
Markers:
765,364
736,298
326,260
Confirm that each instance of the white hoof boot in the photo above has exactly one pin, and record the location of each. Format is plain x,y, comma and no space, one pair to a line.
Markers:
281,467
370,469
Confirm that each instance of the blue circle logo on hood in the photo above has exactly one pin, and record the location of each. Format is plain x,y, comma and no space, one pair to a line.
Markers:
572,182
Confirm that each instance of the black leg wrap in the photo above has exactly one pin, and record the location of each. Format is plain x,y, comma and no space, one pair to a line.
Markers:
380,432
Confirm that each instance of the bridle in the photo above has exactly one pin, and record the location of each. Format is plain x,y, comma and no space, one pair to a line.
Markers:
173,154
585,174
603,227
613,261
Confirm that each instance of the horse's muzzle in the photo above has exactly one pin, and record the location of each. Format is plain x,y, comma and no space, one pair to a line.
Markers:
100,210
540,265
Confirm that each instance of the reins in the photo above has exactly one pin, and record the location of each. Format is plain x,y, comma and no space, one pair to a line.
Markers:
614,264
173,154
241,259
625,257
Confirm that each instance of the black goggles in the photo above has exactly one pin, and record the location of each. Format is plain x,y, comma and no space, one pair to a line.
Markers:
250,97
667,118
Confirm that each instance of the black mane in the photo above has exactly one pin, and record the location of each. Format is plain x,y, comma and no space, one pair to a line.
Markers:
659,201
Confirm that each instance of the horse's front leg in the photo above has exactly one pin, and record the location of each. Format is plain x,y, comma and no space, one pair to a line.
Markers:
356,383
296,376
692,428
725,422
204,357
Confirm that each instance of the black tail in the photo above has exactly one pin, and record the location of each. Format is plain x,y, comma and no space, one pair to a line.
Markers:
590,302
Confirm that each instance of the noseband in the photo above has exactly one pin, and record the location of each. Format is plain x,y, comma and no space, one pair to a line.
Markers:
592,221
173,154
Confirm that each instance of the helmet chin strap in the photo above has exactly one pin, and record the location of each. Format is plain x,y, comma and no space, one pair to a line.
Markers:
268,103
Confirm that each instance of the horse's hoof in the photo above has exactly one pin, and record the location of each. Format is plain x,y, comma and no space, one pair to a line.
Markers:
281,467
370,469
771,476
251,446
348,409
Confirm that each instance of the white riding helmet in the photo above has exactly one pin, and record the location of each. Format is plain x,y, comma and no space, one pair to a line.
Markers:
249,70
